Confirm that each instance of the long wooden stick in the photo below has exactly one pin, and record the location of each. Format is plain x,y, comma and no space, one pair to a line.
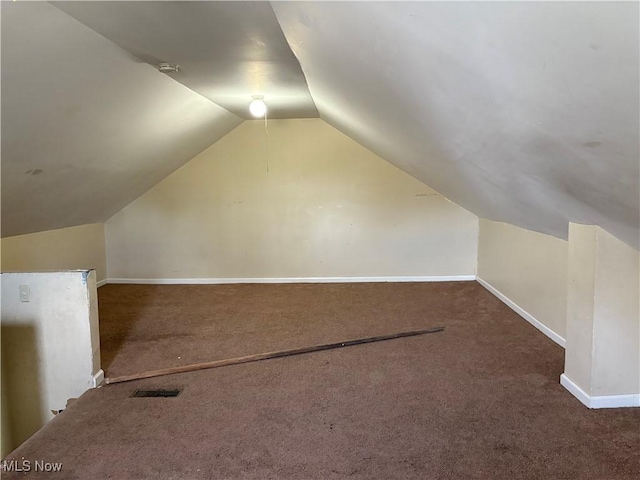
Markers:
266,356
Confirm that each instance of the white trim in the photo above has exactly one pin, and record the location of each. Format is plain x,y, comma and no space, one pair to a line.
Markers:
97,379
575,390
189,281
602,401
102,282
523,313
615,401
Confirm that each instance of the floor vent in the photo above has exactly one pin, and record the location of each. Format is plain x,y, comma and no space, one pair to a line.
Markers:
155,393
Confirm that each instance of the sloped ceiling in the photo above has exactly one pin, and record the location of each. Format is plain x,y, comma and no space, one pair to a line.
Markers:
86,127
227,51
523,112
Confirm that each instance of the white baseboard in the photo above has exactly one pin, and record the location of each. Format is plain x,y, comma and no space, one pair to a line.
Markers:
97,379
219,281
523,313
575,390
602,401
102,282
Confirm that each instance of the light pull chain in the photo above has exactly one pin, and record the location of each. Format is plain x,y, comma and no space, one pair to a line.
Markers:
266,129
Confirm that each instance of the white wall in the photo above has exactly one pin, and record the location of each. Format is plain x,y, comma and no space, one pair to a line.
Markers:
617,318
586,290
529,269
603,323
74,248
50,345
580,304
302,201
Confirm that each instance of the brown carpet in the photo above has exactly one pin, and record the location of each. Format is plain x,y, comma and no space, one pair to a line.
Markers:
478,401
145,327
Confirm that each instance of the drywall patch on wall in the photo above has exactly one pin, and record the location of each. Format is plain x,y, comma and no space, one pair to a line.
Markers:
529,269
71,248
50,351
297,199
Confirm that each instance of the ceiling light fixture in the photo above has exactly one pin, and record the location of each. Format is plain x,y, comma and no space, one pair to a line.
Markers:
257,107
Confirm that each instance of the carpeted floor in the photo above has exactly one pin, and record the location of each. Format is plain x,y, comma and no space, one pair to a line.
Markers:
478,401
146,327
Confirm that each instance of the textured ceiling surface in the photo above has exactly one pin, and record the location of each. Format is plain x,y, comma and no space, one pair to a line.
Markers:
227,51
522,112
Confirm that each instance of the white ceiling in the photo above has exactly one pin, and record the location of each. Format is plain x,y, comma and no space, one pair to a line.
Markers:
227,51
523,112
87,128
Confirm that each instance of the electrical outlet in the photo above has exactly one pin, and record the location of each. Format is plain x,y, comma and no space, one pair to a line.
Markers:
25,294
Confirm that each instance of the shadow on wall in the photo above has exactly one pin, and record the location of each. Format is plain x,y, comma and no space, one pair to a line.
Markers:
22,395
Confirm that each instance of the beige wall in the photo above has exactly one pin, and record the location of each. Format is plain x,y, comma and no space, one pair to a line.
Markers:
6,440
617,318
529,268
81,247
50,346
586,290
71,248
603,338
580,304
326,207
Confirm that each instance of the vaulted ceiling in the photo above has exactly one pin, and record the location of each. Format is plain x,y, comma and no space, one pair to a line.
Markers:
227,51
87,127
523,112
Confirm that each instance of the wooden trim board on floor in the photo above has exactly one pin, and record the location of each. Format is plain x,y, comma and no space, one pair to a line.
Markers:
268,356
97,379
222,281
